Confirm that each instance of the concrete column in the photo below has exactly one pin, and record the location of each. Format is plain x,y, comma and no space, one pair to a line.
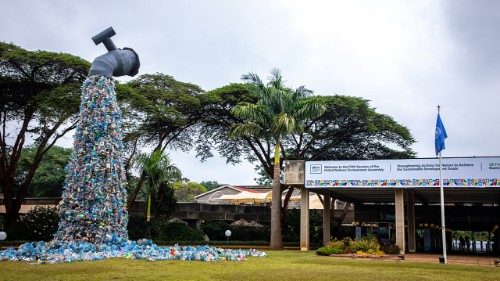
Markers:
400,219
326,219
304,219
410,209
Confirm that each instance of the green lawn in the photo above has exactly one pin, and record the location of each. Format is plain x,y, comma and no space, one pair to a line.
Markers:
282,265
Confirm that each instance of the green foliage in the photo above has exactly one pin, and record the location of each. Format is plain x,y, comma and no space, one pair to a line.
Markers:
249,231
291,230
166,230
326,251
160,174
363,247
209,185
49,177
136,227
185,191
40,92
163,109
40,223
215,229
390,249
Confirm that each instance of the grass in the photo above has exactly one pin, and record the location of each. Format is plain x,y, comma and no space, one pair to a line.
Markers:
282,265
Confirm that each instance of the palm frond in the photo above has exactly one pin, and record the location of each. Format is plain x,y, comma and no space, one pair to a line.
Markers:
245,129
302,92
251,112
276,79
310,108
283,124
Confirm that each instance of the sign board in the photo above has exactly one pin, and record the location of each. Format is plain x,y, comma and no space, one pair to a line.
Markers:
475,172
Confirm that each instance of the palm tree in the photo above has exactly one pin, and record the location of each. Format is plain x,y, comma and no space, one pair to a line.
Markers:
159,173
279,111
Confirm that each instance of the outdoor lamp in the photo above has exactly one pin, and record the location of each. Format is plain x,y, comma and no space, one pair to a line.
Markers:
228,234
3,235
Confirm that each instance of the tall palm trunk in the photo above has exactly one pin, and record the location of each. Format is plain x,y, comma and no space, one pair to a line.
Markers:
276,239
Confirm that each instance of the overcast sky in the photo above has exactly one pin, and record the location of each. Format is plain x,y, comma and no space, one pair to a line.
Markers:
404,56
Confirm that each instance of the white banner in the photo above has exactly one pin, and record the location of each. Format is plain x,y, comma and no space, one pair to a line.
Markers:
457,172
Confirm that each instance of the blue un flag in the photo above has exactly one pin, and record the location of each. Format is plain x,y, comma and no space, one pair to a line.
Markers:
440,135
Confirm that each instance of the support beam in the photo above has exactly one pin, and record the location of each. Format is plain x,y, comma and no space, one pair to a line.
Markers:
400,219
326,219
304,219
410,209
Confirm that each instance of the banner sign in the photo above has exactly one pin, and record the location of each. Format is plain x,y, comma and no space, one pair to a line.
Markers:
457,172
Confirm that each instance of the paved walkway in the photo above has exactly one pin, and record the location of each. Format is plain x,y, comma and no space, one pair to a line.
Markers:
452,259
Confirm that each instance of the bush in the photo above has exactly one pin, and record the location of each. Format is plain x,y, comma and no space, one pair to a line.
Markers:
136,227
390,249
40,223
326,251
215,229
248,231
364,245
166,230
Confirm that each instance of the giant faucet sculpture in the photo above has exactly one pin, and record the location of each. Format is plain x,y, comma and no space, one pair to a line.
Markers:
94,196
93,217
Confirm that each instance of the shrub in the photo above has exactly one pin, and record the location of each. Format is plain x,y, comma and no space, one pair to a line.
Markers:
136,227
215,229
40,223
390,249
249,231
166,230
365,245
326,251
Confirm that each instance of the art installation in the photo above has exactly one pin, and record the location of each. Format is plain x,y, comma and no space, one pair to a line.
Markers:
94,218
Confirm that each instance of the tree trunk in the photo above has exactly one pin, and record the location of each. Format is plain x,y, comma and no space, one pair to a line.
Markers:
276,239
135,192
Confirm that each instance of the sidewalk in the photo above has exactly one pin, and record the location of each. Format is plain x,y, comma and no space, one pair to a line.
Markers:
452,259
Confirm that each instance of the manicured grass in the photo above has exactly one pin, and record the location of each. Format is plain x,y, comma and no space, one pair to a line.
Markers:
280,265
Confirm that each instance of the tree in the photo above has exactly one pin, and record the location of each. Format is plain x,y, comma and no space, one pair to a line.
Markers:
164,112
159,174
185,191
49,177
349,129
279,112
209,185
39,98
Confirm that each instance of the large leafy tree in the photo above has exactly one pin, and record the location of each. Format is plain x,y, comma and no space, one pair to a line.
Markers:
185,191
163,114
49,177
279,112
39,98
348,129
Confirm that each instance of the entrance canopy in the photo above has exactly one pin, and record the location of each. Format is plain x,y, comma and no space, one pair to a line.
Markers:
468,180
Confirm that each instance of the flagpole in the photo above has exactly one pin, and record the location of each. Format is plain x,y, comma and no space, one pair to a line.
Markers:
441,192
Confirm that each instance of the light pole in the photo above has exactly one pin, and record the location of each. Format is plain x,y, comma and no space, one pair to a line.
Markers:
3,235
228,234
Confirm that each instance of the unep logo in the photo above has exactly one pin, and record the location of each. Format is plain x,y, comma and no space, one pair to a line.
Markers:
316,168
438,132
